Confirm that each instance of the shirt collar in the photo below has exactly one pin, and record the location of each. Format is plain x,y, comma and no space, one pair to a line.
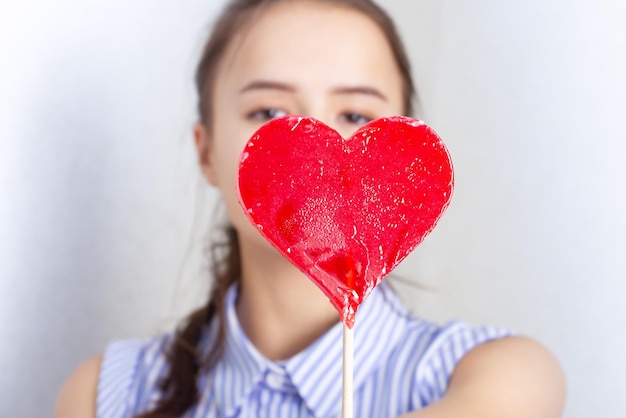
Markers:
316,371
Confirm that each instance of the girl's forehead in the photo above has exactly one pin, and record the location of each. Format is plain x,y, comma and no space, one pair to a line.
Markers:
314,41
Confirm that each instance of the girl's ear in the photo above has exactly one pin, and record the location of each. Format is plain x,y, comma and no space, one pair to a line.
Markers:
203,147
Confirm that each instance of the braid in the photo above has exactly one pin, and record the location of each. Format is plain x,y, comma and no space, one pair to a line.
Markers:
179,386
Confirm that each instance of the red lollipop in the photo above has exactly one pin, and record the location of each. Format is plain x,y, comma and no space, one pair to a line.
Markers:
345,211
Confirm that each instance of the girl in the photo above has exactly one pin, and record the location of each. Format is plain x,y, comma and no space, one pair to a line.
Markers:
268,342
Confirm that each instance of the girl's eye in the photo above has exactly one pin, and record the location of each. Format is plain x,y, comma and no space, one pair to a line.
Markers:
265,115
354,118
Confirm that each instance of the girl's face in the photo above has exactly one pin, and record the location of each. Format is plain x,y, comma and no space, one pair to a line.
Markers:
306,58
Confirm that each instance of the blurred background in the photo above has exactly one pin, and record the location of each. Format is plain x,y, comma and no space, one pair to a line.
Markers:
103,212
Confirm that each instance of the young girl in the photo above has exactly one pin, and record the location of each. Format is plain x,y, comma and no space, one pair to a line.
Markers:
268,342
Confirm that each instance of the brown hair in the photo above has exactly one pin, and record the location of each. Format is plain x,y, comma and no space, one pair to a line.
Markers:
179,387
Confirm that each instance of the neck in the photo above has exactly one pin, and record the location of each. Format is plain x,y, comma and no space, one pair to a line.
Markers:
281,311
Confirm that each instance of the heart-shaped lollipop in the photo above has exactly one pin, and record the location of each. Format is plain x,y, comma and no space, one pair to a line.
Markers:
345,211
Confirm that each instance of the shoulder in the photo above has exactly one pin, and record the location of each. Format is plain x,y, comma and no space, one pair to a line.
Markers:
435,352
482,371
516,376
426,354
129,376
118,383
77,397
460,369
428,351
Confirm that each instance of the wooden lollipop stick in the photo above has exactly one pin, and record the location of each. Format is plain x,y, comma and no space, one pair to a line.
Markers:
347,399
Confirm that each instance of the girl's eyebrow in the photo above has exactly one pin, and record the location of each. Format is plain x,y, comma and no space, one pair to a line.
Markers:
267,85
367,90
277,85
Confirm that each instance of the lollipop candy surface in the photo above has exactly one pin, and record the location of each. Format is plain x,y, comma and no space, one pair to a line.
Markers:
345,211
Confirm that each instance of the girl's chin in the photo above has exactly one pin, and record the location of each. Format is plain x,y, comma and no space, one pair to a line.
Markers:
252,239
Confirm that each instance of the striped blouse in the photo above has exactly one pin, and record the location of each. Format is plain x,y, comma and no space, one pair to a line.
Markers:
401,364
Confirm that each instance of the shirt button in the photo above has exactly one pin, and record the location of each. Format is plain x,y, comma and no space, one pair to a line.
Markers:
275,381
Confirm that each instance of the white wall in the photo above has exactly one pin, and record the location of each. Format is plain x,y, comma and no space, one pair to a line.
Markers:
98,182
531,98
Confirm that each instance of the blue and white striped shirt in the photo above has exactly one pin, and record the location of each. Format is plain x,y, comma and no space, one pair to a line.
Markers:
401,364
